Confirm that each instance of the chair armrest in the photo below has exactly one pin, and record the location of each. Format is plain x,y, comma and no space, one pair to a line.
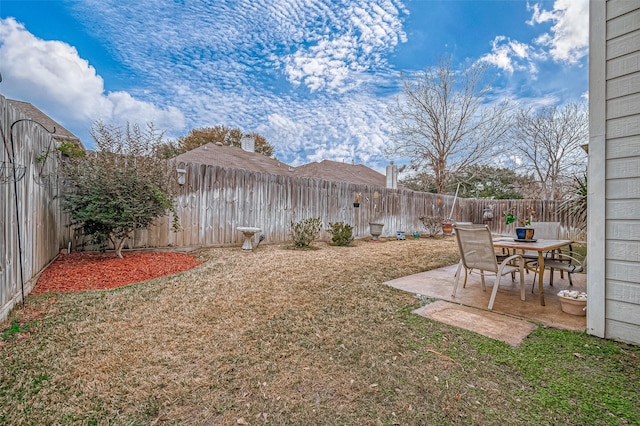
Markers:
512,257
564,265
569,257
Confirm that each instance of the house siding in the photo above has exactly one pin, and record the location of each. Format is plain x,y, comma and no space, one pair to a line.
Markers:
615,298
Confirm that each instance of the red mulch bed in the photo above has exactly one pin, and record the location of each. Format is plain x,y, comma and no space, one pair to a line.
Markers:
80,271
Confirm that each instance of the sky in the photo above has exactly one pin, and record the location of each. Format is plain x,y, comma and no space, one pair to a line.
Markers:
314,77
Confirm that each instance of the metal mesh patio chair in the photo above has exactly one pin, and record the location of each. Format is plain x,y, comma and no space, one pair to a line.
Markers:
477,253
563,262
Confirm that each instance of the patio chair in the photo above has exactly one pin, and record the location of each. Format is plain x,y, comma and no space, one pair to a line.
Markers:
545,231
563,262
477,252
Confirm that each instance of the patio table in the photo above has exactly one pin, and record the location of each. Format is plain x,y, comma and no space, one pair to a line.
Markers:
541,246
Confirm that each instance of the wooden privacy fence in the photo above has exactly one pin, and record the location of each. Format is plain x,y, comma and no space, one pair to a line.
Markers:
214,201
31,205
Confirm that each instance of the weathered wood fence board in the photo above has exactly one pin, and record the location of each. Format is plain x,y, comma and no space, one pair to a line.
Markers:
37,207
214,201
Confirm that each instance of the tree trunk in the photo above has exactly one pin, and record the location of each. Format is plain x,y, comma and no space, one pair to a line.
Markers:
119,246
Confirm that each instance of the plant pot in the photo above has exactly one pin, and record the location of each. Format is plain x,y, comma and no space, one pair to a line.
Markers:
356,204
447,228
376,230
416,235
573,306
525,233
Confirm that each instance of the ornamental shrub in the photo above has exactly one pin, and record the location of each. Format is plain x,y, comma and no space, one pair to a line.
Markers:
341,233
306,231
121,187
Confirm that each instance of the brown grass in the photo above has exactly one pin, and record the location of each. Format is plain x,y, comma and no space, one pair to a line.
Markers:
276,337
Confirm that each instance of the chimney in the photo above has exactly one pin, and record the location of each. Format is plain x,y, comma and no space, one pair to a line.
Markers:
247,142
392,176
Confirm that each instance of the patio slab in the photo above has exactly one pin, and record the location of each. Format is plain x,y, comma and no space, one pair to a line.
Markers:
438,284
491,324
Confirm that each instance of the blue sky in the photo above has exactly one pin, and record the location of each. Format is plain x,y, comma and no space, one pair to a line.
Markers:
312,76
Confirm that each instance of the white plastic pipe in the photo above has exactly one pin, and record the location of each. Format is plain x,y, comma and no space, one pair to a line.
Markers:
454,201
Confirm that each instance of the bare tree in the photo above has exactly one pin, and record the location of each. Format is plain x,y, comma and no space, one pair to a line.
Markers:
548,143
443,123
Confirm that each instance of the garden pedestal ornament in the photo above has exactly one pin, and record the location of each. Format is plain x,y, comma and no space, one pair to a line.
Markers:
376,230
248,232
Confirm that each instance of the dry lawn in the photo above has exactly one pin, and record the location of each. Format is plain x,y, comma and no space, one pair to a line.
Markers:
276,337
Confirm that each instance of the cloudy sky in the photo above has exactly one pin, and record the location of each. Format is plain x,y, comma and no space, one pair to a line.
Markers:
313,76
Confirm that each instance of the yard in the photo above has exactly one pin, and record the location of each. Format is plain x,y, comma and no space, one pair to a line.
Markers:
284,336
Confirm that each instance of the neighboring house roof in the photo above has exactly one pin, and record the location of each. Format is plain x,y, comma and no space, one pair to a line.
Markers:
341,172
61,133
236,158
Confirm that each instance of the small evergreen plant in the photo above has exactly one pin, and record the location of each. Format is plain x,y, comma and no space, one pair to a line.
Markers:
341,233
305,231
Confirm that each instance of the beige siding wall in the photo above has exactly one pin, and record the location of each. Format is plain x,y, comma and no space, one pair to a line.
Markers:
622,171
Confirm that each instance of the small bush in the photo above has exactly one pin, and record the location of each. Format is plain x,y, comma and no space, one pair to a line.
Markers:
341,233
306,231
433,224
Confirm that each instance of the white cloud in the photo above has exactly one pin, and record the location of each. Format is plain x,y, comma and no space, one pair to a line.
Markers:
66,85
359,37
508,54
565,40
568,39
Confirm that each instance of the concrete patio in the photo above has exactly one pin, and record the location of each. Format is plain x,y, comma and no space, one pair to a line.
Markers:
438,284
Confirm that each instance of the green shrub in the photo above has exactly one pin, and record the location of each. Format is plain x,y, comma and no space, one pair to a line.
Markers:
306,231
71,149
341,233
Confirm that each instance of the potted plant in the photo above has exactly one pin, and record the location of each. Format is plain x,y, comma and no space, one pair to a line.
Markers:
447,226
356,200
524,231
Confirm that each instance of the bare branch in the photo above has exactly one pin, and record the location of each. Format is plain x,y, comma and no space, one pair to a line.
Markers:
442,123
549,143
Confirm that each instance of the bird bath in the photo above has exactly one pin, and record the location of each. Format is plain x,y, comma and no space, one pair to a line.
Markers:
248,232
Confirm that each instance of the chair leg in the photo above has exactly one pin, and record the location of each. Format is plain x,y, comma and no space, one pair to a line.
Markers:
570,280
494,291
522,286
457,278
484,288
